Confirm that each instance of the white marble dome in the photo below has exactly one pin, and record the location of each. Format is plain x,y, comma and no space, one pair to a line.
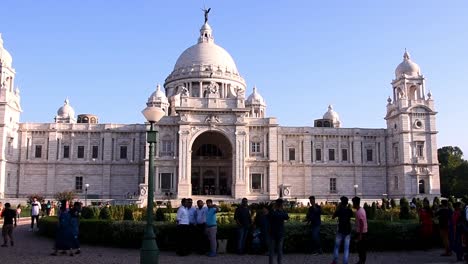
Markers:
331,115
158,95
5,56
206,52
66,110
407,67
255,98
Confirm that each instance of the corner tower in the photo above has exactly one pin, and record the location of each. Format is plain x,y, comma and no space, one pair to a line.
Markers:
10,110
411,128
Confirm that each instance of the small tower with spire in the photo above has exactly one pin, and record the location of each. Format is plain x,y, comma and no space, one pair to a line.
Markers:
256,104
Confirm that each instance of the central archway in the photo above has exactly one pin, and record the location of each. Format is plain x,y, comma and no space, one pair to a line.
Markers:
211,164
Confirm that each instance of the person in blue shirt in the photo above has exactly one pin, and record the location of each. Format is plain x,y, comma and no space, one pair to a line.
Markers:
211,227
277,218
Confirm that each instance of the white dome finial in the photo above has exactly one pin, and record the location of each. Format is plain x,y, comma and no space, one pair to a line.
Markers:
158,87
406,55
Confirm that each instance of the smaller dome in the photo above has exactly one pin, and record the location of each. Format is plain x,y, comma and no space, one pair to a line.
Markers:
66,110
158,95
407,67
331,115
255,98
5,56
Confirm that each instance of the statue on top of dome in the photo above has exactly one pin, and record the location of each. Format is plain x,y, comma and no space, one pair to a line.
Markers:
206,14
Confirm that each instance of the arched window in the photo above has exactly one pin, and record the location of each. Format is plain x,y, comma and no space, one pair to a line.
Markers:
209,150
413,92
422,188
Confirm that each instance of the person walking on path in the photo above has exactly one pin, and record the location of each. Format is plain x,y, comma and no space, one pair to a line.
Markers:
183,228
361,230
262,223
344,214
277,218
9,216
243,219
64,233
35,211
18,212
313,218
211,226
191,235
445,215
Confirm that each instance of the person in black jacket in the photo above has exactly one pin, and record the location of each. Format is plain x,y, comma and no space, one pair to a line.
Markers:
313,219
243,219
277,218
344,214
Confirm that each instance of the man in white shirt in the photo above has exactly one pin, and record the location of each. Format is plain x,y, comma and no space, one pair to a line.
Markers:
183,228
35,210
200,238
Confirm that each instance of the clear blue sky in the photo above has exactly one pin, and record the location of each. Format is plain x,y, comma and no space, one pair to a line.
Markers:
107,56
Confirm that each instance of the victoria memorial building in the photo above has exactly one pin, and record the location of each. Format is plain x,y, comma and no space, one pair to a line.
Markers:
216,140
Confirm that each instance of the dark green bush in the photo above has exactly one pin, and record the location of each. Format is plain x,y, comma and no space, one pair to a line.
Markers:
404,209
104,214
90,212
160,216
393,203
128,214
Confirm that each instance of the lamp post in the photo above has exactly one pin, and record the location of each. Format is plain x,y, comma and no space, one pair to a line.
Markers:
149,253
355,189
86,195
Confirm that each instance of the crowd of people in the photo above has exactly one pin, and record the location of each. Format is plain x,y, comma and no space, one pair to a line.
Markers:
67,230
452,224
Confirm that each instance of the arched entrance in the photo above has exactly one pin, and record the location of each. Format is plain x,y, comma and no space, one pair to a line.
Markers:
211,164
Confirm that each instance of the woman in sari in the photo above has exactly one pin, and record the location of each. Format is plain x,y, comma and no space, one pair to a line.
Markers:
425,219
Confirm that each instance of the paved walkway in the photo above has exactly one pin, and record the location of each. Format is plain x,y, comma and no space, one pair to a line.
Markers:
31,248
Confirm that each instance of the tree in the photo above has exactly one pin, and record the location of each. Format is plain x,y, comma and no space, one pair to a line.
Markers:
453,171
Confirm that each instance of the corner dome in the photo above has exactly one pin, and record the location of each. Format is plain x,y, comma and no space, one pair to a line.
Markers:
255,98
206,53
407,67
331,115
66,110
5,56
158,95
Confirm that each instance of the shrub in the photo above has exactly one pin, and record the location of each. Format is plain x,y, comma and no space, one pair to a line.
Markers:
104,214
393,203
160,216
90,212
39,197
66,195
404,209
328,209
128,214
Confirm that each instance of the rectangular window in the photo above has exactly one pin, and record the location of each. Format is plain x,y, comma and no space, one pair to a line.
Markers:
395,152
420,149
165,180
331,154
80,154
79,184
66,152
95,152
123,152
38,152
369,155
256,182
167,148
344,154
318,154
333,185
255,147
292,154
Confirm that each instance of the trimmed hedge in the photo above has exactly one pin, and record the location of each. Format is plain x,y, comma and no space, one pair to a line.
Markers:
382,235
